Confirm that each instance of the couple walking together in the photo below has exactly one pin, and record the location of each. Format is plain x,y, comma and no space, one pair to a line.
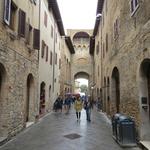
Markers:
88,105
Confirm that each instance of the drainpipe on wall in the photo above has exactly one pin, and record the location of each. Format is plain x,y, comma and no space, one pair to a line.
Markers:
53,80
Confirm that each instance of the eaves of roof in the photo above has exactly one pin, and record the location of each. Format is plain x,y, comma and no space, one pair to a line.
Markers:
97,22
54,6
69,44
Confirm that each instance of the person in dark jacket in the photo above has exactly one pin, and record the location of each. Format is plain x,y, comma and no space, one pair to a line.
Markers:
88,105
58,104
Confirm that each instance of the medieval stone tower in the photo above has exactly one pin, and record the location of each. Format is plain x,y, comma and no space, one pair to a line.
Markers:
82,61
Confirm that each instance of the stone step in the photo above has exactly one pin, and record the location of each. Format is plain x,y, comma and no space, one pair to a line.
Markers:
145,144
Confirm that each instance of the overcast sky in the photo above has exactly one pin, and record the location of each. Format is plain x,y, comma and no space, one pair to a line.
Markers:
78,14
82,81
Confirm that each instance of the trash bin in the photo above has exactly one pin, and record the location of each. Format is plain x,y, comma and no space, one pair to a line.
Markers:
126,131
115,119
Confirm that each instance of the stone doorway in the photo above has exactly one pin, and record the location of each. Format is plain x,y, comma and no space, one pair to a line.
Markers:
116,88
3,91
108,98
42,99
144,99
30,97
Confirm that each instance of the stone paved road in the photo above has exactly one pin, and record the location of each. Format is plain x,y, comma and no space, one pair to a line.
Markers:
49,133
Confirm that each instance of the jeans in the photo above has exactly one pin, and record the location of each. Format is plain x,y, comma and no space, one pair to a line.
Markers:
88,114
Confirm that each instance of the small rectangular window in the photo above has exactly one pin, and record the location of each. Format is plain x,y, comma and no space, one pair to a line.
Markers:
7,11
103,50
97,48
13,16
116,29
22,23
52,31
46,53
51,58
56,37
56,58
106,42
59,63
43,49
10,12
45,19
36,39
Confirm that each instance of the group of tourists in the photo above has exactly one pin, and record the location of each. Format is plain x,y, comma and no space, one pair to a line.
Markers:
79,104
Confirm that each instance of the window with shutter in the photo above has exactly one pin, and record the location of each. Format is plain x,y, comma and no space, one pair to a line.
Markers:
52,30
42,49
13,16
36,39
51,58
106,42
56,37
22,23
103,50
97,48
116,29
45,19
56,58
7,11
134,6
59,63
46,53
35,1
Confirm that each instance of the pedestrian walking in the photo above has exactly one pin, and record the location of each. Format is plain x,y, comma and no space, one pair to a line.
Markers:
88,105
67,103
58,104
78,107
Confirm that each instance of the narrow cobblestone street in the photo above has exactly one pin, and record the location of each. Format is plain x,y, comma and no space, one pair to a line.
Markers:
49,132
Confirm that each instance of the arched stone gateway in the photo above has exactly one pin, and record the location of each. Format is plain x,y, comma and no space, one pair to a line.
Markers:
115,88
42,98
82,75
2,96
144,99
29,98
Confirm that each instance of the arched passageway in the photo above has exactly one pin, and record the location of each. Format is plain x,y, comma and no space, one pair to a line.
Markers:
81,78
144,98
42,98
30,97
116,88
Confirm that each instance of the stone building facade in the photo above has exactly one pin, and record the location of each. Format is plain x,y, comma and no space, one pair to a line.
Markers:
19,44
82,61
67,50
49,55
124,52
